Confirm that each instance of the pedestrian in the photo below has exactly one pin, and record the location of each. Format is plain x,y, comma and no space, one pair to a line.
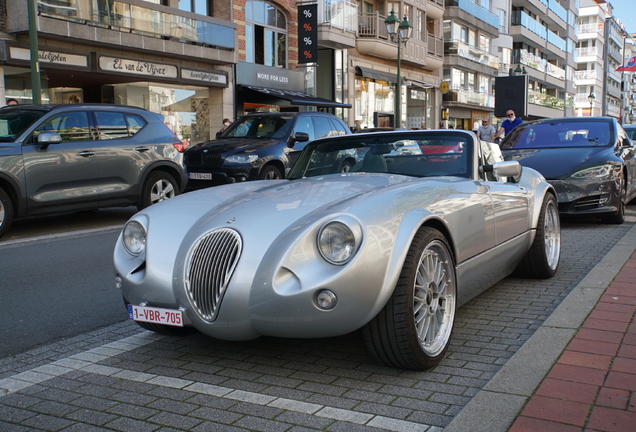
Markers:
12,101
486,132
226,124
509,124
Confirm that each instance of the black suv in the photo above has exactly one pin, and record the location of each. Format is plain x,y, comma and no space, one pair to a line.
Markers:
257,147
76,157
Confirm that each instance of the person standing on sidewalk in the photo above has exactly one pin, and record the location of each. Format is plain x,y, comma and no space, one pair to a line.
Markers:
486,132
508,125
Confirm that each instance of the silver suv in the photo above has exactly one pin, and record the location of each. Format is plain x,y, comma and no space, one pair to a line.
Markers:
76,157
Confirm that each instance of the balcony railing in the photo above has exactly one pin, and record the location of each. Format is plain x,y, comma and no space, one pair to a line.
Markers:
462,49
585,75
371,25
555,40
538,98
590,28
474,9
340,14
558,10
535,62
587,51
467,96
145,20
435,45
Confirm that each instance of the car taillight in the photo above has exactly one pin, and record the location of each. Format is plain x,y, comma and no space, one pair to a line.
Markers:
182,146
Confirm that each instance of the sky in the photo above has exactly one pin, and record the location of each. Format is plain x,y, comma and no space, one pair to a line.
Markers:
624,10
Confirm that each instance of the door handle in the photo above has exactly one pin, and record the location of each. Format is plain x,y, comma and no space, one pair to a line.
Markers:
86,153
142,149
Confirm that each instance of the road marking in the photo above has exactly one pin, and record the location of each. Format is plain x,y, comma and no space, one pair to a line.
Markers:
58,235
87,362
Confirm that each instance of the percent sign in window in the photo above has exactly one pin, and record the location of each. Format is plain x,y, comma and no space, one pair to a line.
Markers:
308,33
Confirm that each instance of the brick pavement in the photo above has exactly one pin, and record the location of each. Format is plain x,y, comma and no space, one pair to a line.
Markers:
592,386
122,379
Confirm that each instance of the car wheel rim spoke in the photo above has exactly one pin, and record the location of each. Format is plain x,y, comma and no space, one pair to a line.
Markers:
552,236
162,190
433,307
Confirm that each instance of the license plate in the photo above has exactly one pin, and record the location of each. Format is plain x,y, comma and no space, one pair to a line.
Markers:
200,176
170,317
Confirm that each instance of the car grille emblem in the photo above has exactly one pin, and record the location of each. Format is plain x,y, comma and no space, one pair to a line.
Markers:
231,220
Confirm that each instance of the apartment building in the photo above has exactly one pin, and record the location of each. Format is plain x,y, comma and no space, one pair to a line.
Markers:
628,81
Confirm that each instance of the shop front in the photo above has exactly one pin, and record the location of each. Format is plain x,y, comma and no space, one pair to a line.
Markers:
269,89
183,95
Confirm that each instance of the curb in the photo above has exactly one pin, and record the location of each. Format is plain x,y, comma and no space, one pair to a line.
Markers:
497,405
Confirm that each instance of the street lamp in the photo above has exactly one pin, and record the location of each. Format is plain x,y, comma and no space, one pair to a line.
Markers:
591,98
400,33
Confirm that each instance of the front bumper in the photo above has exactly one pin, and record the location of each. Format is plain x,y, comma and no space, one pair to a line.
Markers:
586,197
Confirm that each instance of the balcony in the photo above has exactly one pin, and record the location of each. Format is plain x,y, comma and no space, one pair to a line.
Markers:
337,23
587,52
585,77
545,69
463,96
150,20
560,12
590,31
468,52
434,9
473,10
545,100
373,39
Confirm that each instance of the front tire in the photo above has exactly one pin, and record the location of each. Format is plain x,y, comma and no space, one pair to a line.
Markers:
159,186
542,259
270,172
414,328
6,212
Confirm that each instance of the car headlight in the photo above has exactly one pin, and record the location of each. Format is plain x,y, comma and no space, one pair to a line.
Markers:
242,158
134,237
336,242
603,172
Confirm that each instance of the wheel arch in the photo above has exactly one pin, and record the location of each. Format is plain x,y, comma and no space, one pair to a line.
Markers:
276,163
541,190
12,190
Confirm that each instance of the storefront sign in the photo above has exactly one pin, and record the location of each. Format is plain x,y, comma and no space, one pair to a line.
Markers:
50,57
204,76
137,67
308,33
266,76
418,94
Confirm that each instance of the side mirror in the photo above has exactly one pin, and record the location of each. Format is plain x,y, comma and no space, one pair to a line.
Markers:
298,137
504,169
47,138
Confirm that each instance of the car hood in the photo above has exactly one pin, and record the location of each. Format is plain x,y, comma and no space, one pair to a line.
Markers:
232,145
560,163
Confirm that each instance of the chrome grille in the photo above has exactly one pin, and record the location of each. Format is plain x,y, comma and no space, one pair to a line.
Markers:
212,262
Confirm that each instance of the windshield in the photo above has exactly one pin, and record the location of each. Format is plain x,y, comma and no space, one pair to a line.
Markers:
631,133
413,154
259,127
15,121
558,134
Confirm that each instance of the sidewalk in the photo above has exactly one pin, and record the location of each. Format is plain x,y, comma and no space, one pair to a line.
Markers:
577,373
592,386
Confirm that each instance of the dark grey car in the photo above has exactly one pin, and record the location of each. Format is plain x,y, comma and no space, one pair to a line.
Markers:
258,146
590,161
76,157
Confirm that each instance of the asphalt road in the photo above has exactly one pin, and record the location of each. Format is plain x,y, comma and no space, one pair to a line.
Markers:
54,288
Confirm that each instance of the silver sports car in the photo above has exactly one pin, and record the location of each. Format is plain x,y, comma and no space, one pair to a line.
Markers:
360,235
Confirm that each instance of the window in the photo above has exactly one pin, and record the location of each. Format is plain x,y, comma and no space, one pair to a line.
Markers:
265,34
72,126
197,6
111,125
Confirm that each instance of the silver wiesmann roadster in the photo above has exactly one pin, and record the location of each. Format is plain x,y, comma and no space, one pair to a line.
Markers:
361,234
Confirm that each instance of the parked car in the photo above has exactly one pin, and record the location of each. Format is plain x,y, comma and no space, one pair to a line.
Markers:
590,161
258,146
631,132
75,157
378,129
393,246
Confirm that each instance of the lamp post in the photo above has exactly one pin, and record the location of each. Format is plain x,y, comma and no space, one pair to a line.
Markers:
591,97
400,33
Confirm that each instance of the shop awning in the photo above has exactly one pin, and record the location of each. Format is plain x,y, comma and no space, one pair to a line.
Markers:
376,75
296,97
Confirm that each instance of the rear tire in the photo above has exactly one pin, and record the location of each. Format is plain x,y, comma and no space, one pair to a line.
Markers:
542,259
6,212
413,330
159,186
